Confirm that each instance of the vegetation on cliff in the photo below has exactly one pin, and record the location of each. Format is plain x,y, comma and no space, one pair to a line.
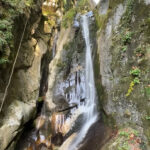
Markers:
122,49
9,11
129,48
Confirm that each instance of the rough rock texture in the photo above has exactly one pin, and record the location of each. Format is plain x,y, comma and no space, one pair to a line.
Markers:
126,138
20,104
17,114
57,64
123,47
121,68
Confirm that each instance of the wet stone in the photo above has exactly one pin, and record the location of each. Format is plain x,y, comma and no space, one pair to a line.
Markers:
57,139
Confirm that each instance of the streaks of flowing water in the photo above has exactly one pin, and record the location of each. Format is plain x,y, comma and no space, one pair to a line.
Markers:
82,93
54,44
88,110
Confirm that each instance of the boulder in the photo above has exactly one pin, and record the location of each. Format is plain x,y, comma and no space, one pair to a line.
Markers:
18,113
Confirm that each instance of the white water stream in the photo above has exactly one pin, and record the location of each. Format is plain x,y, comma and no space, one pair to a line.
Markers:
88,110
96,1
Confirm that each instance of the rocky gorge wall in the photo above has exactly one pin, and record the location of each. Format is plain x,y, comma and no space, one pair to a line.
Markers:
50,67
35,53
123,58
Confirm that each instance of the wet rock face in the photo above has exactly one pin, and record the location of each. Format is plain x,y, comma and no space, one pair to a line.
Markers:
97,136
119,57
68,87
57,139
68,64
60,102
70,80
67,80
104,4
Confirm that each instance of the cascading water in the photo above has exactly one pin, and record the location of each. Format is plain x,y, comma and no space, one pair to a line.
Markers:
82,95
96,1
89,79
88,110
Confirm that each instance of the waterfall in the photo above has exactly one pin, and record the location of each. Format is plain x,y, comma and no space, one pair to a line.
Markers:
54,44
89,74
84,116
96,1
88,110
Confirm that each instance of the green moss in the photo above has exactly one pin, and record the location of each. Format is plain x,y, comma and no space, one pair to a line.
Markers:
127,46
126,38
6,39
3,60
100,19
68,17
147,91
124,48
129,11
18,5
81,6
67,4
135,71
123,133
136,80
5,32
10,10
114,3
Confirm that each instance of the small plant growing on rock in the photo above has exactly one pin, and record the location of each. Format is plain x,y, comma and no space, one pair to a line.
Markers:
3,61
130,88
123,133
147,117
135,71
128,14
125,40
127,37
140,51
124,48
136,80
68,17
